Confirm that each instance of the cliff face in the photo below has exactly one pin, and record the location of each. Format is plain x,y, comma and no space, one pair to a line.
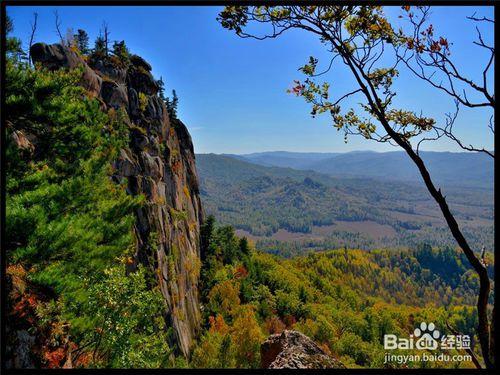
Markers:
160,164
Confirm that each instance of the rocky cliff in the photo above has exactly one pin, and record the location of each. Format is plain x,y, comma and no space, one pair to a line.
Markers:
159,164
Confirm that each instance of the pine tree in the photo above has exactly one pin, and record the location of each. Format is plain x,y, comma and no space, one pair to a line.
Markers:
161,88
244,248
13,45
172,105
121,51
99,47
81,39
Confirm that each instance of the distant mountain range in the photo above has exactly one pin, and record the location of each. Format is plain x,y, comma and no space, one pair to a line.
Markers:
291,210
448,168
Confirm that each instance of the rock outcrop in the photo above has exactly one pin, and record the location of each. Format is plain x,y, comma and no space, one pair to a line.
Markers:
294,350
159,164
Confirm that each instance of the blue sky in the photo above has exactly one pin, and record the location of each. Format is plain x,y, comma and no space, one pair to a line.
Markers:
232,91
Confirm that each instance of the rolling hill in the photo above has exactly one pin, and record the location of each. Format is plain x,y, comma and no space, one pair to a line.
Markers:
449,168
290,210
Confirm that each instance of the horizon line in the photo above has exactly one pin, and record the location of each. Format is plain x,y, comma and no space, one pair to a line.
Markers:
333,152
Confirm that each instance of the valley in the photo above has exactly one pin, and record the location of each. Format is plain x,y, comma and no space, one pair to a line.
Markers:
290,211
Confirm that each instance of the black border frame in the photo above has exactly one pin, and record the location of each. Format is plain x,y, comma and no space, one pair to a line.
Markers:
5,3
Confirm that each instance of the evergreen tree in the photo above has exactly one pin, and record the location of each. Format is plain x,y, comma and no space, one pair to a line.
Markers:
161,88
99,47
13,45
121,51
206,234
81,39
244,248
172,105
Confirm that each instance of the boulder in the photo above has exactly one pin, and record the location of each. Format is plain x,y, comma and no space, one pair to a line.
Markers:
125,166
142,81
133,102
114,94
292,349
56,56
22,142
106,68
138,61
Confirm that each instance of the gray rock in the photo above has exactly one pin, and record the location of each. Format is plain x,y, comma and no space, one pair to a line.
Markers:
24,350
125,166
139,141
54,56
154,109
140,62
114,94
142,81
133,102
153,165
294,350
107,69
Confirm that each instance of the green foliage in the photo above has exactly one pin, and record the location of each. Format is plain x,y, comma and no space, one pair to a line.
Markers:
126,320
99,50
81,39
121,51
143,101
63,212
171,105
215,350
219,247
13,45
161,88
345,300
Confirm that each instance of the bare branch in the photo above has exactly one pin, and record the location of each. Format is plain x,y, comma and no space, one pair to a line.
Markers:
106,37
474,18
32,36
328,68
447,131
432,54
58,27
346,95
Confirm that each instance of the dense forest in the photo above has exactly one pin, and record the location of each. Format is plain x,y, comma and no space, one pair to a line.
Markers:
74,284
346,300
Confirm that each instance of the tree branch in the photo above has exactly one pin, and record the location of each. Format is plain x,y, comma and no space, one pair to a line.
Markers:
32,36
